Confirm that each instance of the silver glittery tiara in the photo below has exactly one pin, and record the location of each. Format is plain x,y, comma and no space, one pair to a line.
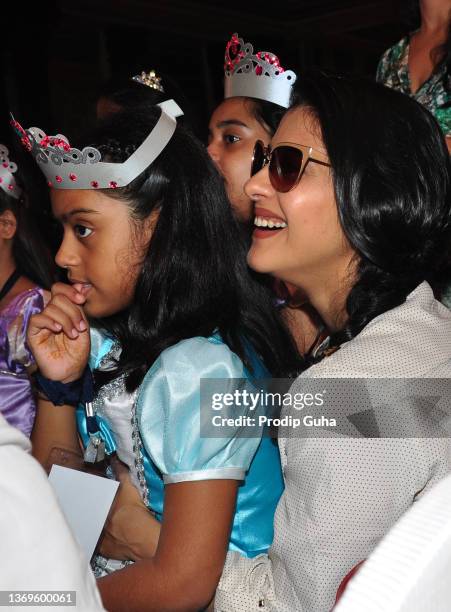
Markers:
149,79
68,168
7,179
255,75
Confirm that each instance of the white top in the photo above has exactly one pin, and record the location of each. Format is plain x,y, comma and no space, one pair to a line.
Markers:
409,570
343,494
38,550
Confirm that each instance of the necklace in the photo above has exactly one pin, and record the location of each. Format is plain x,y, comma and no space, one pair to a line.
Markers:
12,280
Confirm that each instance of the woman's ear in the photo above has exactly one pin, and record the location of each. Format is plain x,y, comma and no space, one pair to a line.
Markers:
8,225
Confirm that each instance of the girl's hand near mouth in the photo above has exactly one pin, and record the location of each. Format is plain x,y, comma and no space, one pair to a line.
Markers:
59,336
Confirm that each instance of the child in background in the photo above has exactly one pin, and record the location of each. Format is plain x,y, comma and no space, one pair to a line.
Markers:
24,276
257,92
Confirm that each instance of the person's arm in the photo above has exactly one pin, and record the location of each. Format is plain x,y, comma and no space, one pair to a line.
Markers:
130,532
54,427
186,568
58,338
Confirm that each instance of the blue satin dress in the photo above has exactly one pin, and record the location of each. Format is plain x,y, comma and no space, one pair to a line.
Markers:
164,432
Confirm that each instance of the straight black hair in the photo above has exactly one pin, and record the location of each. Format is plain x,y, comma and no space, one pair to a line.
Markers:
194,279
392,180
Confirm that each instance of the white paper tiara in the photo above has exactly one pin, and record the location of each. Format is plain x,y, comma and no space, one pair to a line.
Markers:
7,169
258,75
68,168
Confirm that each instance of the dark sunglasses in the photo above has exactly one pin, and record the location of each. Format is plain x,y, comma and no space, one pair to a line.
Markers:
286,161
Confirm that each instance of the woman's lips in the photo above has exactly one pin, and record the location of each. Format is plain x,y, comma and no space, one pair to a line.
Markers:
267,223
267,214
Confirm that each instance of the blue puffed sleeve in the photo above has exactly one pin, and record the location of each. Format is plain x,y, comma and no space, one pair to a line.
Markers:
168,413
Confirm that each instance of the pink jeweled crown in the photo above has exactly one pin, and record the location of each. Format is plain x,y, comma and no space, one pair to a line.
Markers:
258,75
7,169
68,168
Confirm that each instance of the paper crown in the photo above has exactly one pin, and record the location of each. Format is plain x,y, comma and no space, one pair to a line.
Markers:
68,168
7,169
258,75
149,79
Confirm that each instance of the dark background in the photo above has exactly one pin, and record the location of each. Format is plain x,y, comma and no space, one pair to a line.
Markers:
56,54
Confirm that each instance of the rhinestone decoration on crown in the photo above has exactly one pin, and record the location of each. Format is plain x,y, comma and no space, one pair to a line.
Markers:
149,79
256,75
56,152
66,167
7,169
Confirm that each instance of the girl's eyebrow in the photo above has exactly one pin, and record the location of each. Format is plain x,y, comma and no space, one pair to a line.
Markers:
228,122
76,211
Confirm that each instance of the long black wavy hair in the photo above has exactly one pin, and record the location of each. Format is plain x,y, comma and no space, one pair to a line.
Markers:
194,278
392,179
30,254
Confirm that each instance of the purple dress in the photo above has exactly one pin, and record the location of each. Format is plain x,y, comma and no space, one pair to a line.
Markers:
16,396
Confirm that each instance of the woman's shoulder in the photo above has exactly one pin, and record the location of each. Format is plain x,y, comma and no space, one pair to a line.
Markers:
406,341
396,52
392,58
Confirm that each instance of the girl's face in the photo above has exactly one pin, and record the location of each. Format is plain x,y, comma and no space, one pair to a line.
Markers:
101,249
312,248
233,131
8,228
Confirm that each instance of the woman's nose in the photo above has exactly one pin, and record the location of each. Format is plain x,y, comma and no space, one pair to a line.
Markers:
259,185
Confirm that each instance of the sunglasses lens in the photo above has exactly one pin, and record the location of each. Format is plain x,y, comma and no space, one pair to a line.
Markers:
258,157
284,168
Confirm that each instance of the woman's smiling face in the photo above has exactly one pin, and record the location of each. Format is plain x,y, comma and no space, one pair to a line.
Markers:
312,246
102,249
233,131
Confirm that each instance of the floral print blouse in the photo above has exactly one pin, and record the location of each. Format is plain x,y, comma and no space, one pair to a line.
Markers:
434,94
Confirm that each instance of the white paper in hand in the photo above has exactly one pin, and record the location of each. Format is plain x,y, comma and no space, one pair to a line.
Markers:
85,500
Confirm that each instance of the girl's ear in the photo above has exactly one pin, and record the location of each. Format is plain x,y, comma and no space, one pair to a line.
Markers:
8,225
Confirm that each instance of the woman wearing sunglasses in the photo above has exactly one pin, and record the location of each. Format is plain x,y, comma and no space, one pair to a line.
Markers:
353,206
